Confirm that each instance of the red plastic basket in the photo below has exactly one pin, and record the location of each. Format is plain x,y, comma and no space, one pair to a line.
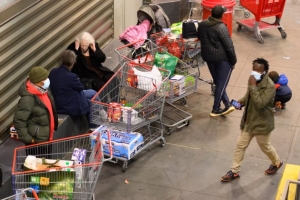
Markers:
264,8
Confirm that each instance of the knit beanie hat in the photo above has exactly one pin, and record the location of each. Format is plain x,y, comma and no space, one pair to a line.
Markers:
38,74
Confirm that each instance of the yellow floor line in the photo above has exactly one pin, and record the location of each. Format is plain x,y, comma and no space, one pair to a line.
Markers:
290,172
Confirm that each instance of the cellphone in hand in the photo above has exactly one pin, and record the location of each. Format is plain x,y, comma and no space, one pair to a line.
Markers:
236,104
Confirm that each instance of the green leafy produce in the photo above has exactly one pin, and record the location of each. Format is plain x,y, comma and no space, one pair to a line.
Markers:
189,80
61,185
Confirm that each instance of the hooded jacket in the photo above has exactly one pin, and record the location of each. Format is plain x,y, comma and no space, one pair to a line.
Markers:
258,117
136,33
216,44
282,89
68,93
32,118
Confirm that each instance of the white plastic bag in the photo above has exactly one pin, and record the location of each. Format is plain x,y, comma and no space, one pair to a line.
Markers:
148,80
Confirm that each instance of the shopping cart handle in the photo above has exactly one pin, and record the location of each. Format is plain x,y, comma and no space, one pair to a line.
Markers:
109,147
34,194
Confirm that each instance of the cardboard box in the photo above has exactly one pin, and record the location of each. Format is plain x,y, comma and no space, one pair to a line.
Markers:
79,155
178,82
124,145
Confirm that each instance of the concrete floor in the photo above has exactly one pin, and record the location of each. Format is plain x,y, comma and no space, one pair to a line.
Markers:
195,157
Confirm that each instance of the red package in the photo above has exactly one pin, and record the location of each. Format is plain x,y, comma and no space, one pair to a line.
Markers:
174,49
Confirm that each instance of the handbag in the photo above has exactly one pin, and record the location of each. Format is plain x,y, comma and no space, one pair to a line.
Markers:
190,28
87,83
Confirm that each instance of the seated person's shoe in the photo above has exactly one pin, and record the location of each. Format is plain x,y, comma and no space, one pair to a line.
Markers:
215,113
229,176
273,169
228,109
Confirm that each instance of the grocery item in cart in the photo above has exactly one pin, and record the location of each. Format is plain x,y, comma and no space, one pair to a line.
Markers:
79,155
59,184
134,119
114,112
124,145
178,82
34,163
166,61
148,80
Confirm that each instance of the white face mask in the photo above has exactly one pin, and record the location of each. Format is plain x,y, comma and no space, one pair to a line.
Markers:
256,75
46,84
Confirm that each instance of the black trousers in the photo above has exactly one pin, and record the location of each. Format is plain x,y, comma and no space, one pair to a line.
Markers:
283,99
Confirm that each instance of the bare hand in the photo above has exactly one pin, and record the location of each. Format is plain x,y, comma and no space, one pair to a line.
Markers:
32,141
77,44
93,46
252,80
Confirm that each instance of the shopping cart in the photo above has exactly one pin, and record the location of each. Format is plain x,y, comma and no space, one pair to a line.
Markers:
261,9
191,53
147,55
131,102
239,7
55,176
174,118
21,195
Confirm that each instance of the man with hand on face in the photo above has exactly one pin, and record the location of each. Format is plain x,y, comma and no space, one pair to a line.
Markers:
89,58
257,120
35,118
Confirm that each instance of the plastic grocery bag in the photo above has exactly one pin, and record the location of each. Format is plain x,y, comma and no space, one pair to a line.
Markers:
174,49
166,61
148,80
176,28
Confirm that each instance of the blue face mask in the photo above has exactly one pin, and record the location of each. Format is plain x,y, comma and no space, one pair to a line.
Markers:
46,84
256,75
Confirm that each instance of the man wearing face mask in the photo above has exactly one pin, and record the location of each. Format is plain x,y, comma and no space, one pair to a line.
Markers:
257,120
35,117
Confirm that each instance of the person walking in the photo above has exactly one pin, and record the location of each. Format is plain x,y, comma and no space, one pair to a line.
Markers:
218,52
257,120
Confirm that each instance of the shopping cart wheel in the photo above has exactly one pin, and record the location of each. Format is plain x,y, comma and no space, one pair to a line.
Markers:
239,28
168,130
259,38
246,14
187,123
183,101
282,32
124,167
162,142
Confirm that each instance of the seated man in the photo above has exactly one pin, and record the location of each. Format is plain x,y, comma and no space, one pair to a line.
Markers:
68,92
88,62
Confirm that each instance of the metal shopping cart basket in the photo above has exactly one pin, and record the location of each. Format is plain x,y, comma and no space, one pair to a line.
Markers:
21,195
147,55
191,53
55,175
131,102
261,9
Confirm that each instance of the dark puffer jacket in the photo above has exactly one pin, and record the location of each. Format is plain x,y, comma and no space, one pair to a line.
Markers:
31,119
282,88
216,44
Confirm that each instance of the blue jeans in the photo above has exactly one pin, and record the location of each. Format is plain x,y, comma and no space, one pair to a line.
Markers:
89,94
220,72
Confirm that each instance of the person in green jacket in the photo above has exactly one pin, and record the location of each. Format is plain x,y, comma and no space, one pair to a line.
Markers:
35,117
257,120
